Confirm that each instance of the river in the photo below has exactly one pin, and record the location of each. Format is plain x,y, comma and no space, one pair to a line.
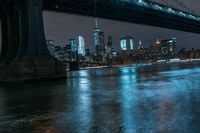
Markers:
154,99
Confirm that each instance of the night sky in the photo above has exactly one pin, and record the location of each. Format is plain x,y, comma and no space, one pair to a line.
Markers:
62,27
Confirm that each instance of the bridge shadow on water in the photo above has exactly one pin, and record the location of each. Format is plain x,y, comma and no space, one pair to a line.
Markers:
110,100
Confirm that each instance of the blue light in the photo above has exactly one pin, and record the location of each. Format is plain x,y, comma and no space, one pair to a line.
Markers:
159,7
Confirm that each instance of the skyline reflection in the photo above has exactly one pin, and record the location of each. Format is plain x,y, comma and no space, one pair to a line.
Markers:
120,100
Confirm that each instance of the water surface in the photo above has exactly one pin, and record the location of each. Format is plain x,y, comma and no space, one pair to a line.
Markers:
109,100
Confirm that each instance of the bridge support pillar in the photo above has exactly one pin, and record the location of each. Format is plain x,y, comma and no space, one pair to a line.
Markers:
4,34
24,55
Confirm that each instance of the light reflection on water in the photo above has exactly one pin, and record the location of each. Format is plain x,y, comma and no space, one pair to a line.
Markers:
127,100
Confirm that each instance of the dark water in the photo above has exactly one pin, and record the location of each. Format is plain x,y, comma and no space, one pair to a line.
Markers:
117,100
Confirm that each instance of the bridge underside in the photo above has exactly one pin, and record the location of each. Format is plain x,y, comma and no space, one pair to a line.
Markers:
123,11
24,54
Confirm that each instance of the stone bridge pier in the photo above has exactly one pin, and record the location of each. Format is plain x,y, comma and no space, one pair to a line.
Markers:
24,54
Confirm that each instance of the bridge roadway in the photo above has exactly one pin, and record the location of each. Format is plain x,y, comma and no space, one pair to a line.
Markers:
24,51
134,11
130,11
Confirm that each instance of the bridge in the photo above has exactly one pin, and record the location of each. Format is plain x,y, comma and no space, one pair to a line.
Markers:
24,52
135,11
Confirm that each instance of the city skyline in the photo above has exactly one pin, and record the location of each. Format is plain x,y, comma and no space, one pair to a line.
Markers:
147,34
61,72
62,27
70,26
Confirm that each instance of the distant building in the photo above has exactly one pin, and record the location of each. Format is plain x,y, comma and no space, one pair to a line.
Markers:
123,44
68,47
127,49
109,44
74,50
87,52
140,46
74,46
127,43
157,43
109,50
99,44
58,48
166,48
81,45
96,36
51,46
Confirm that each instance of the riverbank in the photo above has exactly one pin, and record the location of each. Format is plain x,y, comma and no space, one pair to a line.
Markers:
187,62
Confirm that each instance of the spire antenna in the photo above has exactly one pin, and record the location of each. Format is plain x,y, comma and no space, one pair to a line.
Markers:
96,23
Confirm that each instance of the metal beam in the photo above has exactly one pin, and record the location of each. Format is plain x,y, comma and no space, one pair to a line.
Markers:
124,11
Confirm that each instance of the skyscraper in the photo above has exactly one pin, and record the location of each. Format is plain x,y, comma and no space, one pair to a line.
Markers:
131,41
99,42
96,36
168,46
73,44
127,43
96,33
123,44
74,49
109,51
81,45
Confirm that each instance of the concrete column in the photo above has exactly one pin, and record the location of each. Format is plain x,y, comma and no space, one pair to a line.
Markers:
24,50
36,37
23,29
4,34
12,32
